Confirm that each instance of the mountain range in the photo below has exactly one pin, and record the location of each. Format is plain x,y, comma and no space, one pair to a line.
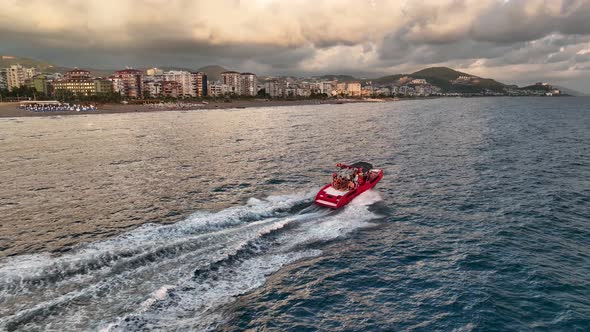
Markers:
439,76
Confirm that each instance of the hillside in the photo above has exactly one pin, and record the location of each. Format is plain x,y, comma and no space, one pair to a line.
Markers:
213,72
43,66
443,73
443,77
537,87
7,61
339,78
387,79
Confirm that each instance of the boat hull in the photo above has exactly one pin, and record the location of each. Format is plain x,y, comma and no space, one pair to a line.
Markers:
335,199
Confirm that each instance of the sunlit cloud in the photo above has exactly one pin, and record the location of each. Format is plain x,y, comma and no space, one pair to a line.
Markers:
364,37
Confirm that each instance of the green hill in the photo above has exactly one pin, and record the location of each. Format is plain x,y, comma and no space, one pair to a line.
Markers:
7,61
387,79
443,77
43,66
443,73
339,78
537,87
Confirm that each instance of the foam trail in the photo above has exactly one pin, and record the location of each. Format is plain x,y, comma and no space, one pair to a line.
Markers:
39,284
95,255
192,306
171,276
195,304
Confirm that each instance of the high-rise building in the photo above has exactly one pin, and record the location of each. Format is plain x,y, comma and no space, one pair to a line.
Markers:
185,79
118,84
128,82
152,88
191,84
232,79
171,89
273,88
248,84
3,78
103,86
216,89
199,81
42,84
16,76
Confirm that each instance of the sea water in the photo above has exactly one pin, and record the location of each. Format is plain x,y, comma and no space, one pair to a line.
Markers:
203,220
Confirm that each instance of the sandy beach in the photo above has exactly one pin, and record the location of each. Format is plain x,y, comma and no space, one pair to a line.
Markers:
9,110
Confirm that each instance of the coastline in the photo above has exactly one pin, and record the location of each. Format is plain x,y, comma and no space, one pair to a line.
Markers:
11,110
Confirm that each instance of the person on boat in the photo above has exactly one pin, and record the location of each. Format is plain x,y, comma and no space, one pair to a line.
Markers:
335,181
360,177
351,185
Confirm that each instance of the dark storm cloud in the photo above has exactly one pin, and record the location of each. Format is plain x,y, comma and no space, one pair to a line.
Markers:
521,20
363,37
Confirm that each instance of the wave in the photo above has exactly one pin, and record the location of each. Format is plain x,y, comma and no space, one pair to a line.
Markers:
148,239
189,268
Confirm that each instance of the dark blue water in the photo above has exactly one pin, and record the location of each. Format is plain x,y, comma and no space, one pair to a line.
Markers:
486,227
481,223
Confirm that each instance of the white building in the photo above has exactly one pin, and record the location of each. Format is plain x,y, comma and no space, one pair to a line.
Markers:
3,82
422,90
303,92
407,90
419,81
185,79
384,91
273,88
214,89
218,89
248,82
367,91
289,91
315,87
152,88
326,87
464,78
233,80
118,84
16,75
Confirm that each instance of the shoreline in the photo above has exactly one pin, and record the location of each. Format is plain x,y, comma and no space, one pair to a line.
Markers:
11,110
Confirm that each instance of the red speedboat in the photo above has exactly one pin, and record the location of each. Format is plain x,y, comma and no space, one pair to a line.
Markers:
349,182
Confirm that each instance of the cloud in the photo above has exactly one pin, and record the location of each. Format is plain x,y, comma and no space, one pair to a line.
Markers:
366,37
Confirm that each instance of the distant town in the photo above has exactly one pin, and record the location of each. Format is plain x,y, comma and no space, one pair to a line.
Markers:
19,82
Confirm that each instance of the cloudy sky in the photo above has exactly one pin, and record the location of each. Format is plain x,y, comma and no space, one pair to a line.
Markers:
514,41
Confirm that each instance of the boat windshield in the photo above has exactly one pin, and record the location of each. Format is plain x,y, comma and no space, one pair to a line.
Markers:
346,173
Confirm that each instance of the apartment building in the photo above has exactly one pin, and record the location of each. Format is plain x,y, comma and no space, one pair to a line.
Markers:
248,83
199,84
353,89
128,83
233,80
273,88
16,76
